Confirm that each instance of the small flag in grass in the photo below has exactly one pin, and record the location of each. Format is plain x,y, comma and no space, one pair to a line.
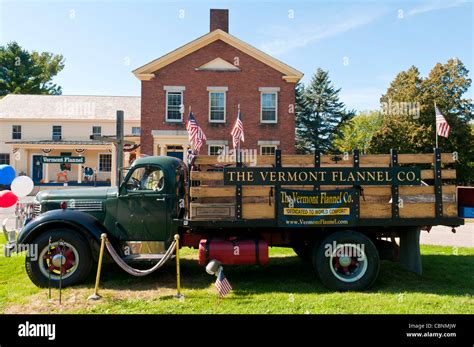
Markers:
222,284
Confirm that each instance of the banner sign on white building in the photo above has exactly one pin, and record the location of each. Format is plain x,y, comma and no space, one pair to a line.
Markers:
63,160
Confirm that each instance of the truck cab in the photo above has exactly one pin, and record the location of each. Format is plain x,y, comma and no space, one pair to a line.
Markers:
68,223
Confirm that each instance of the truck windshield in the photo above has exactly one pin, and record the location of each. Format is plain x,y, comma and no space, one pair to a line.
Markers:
146,178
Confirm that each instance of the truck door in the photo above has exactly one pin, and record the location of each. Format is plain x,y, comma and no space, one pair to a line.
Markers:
143,205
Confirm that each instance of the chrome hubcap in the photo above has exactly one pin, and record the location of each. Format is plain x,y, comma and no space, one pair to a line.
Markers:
59,260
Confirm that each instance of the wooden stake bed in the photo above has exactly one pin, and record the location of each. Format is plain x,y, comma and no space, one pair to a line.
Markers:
433,197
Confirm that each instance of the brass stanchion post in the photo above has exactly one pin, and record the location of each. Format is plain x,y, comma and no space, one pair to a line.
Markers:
96,295
178,274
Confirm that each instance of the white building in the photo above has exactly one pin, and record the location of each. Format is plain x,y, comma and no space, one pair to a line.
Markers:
34,126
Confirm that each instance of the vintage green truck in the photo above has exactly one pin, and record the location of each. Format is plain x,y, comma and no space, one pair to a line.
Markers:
341,213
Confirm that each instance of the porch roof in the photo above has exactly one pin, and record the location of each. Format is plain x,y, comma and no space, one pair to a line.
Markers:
62,143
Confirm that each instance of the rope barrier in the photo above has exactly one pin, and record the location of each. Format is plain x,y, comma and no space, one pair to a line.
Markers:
136,272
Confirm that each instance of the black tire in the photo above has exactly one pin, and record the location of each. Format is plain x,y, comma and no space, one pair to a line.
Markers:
359,276
303,250
71,237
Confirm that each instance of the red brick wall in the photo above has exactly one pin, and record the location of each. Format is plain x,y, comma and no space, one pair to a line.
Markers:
242,88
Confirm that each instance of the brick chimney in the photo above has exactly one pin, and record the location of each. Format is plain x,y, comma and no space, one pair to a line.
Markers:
220,20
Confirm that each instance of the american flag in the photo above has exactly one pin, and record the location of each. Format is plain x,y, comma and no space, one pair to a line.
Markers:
222,284
195,133
442,126
237,131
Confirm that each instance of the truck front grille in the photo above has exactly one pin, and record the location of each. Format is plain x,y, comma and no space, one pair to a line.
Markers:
85,205
36,208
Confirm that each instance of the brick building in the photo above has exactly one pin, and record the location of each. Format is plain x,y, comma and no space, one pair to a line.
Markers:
214,74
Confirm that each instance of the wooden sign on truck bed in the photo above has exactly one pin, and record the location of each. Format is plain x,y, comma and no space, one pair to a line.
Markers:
401,188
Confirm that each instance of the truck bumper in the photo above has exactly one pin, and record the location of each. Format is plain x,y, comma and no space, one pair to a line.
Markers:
10,236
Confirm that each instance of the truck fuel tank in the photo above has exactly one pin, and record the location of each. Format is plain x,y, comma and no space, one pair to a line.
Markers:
234,251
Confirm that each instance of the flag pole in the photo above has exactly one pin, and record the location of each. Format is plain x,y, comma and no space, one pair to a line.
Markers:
436,127
238,150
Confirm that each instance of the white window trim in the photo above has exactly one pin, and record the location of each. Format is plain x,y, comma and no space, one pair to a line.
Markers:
217,142
261,147
209,148
166,109
276,107
174,88
217,89
269,89
221,90
98,163
268,142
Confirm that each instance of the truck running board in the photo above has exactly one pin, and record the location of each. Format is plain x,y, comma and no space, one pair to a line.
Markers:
144,257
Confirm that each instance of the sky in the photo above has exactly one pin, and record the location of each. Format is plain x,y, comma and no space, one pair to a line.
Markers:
363,44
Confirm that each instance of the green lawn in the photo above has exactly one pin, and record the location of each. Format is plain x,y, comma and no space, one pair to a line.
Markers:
286,285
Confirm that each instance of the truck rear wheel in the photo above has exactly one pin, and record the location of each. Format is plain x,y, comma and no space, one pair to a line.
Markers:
347,260
67,257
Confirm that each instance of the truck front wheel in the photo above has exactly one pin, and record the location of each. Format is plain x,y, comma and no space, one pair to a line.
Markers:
67,259
347,260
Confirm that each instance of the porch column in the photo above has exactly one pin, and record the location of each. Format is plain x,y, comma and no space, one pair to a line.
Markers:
126,159
113,170
79,173
46,170
185,152
162,149
14,158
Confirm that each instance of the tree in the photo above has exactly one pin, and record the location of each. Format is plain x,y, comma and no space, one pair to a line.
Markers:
402,133
446,85
358,132
319,114
23,72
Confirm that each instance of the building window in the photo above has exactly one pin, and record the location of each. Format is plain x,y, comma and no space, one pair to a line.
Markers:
4,159
174,108
267,150
57,132
97,131
136,131
105,162
217,107
16,132
215,149
268,110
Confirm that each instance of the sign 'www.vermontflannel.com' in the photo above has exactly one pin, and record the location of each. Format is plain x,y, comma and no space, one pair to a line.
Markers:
303,208
407,175
63,160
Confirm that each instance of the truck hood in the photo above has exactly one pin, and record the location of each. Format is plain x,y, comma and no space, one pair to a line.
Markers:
99,193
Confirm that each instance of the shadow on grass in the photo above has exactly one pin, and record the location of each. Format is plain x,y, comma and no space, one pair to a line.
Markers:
443,275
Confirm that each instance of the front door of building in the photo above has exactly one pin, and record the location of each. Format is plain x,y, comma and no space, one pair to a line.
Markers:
36,168
175,151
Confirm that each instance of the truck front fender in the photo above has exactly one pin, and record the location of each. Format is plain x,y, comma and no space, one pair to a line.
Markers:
87,225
